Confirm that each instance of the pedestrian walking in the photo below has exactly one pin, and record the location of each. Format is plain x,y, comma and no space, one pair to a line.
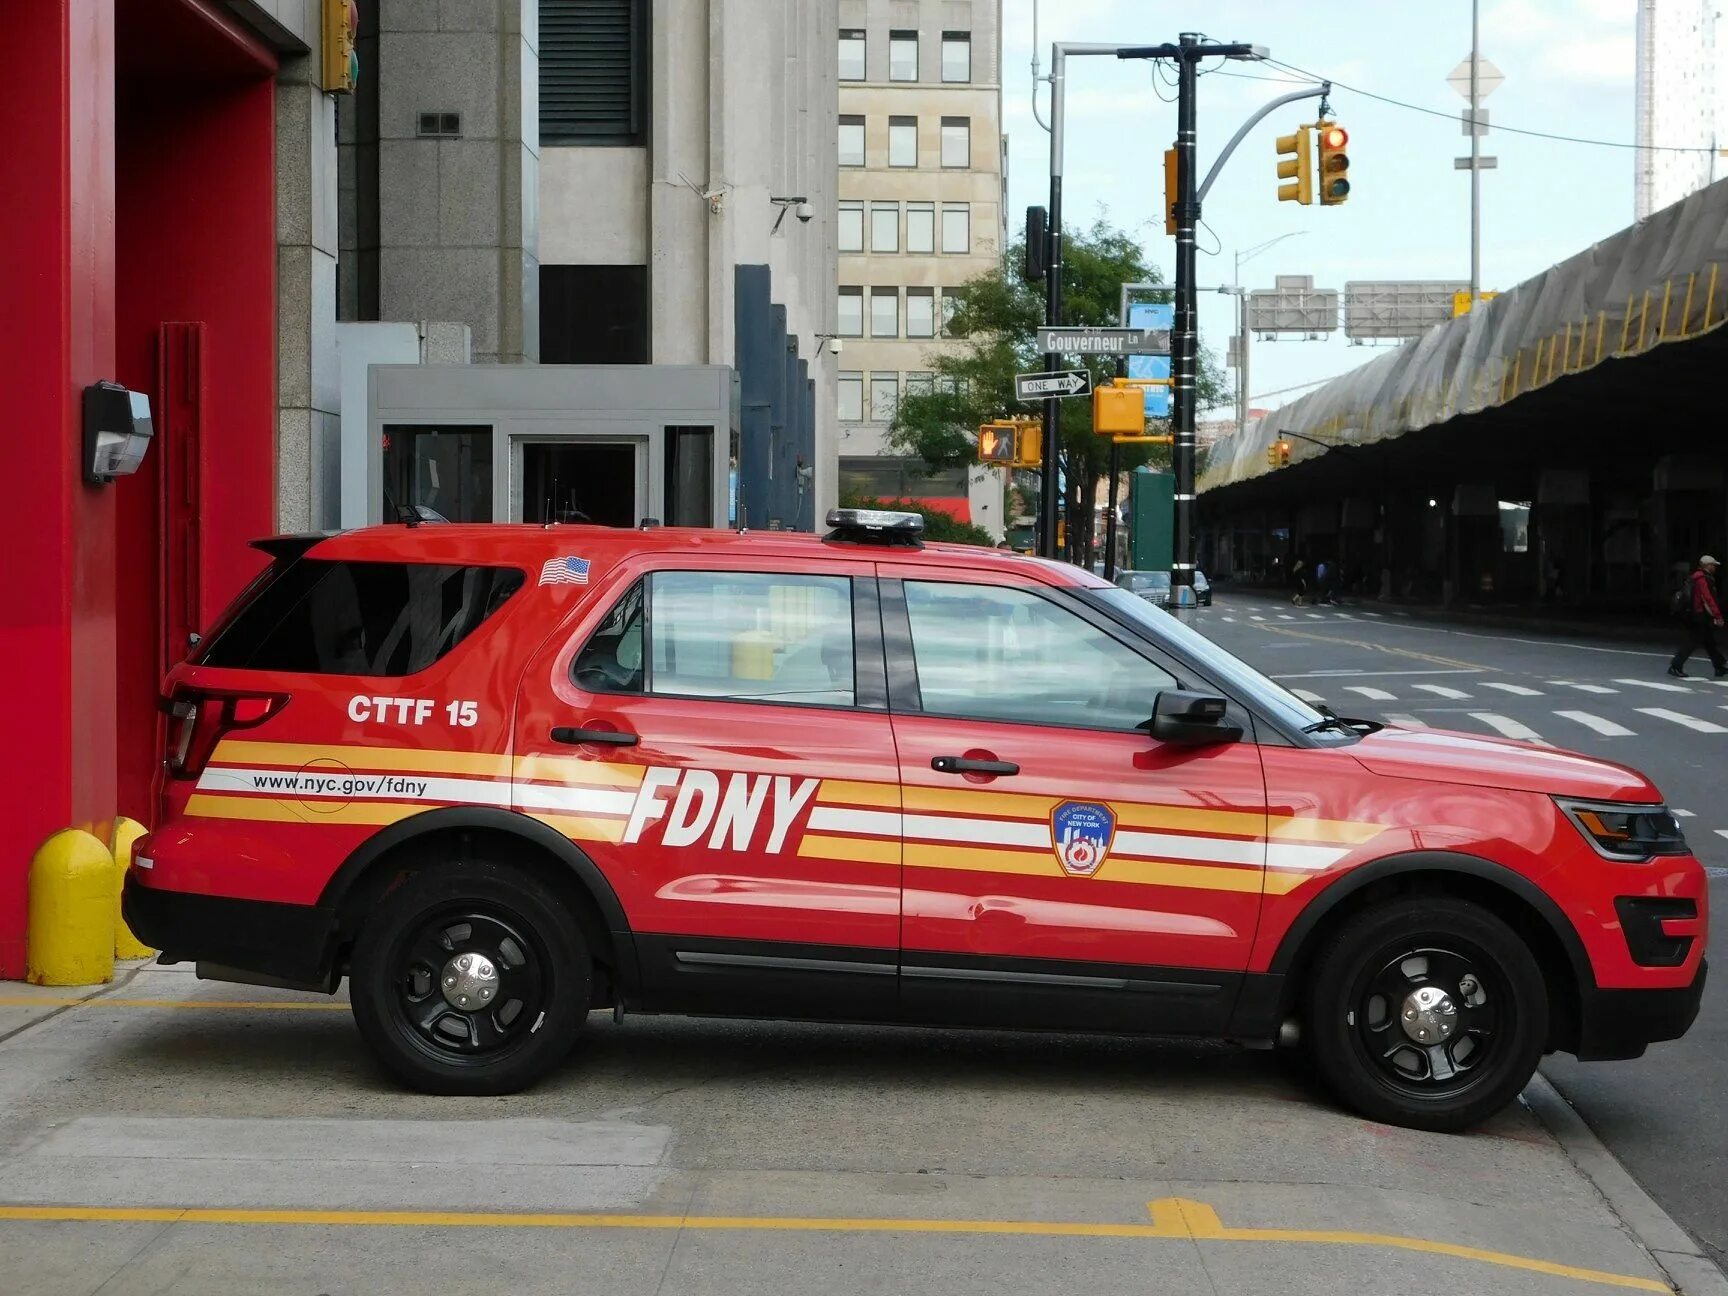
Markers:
1696,603
1299,580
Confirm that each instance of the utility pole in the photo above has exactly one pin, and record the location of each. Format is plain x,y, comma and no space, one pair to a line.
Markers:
1047,497
1475,159
1187,53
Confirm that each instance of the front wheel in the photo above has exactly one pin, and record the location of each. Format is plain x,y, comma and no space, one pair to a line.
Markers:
470,977
1427,1012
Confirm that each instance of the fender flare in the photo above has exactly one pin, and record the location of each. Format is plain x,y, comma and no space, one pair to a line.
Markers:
485,819
1353,882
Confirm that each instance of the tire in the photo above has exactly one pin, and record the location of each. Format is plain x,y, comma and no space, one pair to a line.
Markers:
1395,958
541,977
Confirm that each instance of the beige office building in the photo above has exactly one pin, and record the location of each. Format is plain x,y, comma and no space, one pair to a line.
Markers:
921,210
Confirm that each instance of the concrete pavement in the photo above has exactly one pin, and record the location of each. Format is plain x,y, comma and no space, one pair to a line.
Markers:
173,1136
1660,1114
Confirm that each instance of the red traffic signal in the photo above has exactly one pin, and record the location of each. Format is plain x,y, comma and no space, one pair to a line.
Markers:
1334,137
1334,164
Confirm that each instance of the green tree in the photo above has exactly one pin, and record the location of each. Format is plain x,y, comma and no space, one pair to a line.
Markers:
998,318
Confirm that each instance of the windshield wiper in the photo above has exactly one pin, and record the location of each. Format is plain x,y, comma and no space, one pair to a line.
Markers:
1331,722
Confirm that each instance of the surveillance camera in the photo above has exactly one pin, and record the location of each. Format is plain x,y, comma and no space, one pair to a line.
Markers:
806,212
837,345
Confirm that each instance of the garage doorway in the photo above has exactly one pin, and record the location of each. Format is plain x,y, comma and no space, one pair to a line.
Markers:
598,482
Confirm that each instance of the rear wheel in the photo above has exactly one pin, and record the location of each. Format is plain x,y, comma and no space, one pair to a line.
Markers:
470,978
1428,1012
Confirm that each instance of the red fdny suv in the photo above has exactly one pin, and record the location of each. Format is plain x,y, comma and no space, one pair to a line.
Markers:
499,777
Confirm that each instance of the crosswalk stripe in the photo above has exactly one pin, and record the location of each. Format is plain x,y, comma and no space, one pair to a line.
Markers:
1253,617
1405,721
1372,694
1583,688
1440,690
1285,616
1655,684
1605,727
1306,696
1679,813
1371,614
1517,690
1684,720
1315,616
1507,727
1228,618
1722,832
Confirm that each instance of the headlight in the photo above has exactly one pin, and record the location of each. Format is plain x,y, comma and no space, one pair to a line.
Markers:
1626,832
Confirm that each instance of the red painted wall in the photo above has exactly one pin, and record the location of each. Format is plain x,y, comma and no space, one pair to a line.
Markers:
57,631
195,243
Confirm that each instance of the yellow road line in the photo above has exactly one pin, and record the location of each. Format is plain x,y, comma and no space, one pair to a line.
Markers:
1173,1218
98,1001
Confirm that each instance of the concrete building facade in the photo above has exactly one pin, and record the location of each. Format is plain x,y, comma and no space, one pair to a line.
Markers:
921,210
614,182
1681,100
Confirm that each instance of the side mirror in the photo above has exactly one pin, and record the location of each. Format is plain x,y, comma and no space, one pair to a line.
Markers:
1194,719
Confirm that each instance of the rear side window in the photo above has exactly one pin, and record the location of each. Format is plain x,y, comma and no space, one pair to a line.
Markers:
318,617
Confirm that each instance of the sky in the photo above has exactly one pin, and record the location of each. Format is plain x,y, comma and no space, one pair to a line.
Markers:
1569,69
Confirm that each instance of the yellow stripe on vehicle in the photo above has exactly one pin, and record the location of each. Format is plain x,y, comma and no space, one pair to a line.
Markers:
282,810
859,850
1199,877
575,771
853,793
236,751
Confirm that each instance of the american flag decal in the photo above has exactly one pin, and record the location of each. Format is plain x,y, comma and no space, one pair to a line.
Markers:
564,571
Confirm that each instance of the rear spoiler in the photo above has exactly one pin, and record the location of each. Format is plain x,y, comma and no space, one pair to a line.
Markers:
288,547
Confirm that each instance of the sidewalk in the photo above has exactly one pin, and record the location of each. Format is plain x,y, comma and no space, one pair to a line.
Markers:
173,1136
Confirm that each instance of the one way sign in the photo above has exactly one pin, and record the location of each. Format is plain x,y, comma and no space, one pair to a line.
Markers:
1064,382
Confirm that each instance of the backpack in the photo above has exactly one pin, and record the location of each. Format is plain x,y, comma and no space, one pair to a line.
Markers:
1680,602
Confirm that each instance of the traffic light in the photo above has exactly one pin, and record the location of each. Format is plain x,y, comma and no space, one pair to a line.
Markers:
1028,444
1334,164
1283,453
1037,258
1296,167
1170,190
1271,456
996,443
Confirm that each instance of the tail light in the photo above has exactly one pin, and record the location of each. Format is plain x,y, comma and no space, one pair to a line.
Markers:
198,719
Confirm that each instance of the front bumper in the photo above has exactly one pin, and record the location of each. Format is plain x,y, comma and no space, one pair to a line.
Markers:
291,944
1616,1024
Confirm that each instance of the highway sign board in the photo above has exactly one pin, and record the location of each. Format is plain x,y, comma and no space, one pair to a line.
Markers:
1104,341
1062,382
1398,308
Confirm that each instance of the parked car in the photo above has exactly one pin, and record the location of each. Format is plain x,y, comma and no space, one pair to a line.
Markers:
1202,589
1153,586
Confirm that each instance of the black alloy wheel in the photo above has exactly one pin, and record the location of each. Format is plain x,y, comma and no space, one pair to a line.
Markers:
470,978
1428,1012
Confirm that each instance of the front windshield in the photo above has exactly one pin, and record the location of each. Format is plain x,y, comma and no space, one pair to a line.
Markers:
1148,580
1232,671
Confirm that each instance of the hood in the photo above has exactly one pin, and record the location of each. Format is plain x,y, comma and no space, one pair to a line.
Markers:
1439,756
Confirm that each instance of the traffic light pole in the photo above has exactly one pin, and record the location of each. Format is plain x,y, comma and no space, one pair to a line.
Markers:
1051,489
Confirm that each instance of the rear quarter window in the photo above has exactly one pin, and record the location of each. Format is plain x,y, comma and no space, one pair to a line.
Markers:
322,617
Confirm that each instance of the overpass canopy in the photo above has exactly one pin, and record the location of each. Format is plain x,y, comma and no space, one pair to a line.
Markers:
1653,284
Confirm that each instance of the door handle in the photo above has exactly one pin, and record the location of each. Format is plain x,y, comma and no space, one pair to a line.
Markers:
967,765
603,737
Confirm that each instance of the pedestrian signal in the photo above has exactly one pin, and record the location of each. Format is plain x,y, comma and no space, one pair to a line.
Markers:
996,443
1028,445
1334,164
1296,167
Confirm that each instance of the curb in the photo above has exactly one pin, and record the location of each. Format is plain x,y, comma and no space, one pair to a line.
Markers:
1680,1258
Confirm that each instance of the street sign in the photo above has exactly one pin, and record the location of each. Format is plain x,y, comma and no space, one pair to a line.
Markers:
1152,315
1488,78
1104,341
1063,382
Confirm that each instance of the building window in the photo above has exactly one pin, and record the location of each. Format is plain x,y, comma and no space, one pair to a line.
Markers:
593,71
920,312
851,141
951,301
851,227
885,312
902,56
884,227
573,332
921,227
852,55
851,388
884,396
956,227
850,317
920,384
956,141
903,141
956,56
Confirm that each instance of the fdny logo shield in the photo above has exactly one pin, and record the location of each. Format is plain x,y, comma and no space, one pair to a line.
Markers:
1081,833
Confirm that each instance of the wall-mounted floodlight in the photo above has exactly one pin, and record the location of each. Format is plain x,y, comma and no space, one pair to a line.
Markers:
117,431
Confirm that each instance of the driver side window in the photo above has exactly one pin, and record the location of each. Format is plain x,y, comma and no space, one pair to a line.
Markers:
988,652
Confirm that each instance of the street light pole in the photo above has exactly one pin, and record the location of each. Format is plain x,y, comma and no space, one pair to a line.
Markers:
1475,159
1242,368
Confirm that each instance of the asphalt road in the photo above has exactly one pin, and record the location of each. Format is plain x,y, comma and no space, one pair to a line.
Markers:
1662,1114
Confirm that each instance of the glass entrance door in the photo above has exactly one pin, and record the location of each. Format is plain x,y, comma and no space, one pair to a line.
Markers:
579,480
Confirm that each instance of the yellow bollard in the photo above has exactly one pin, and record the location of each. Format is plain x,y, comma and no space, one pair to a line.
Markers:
71,934
126,835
